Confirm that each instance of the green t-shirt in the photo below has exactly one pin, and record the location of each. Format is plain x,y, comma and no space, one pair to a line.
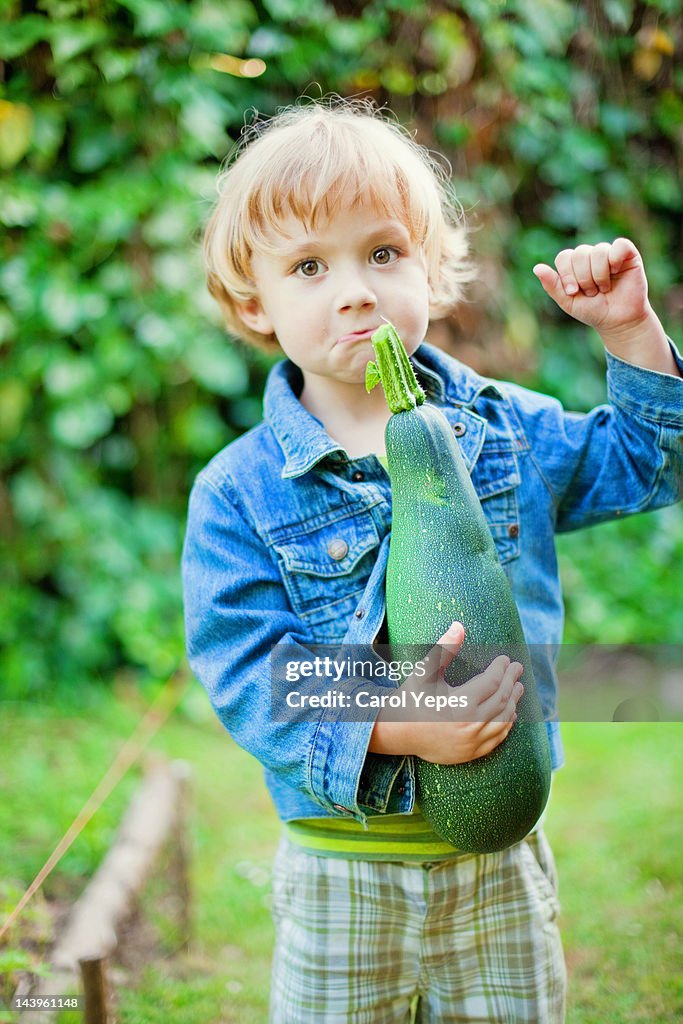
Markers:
403,837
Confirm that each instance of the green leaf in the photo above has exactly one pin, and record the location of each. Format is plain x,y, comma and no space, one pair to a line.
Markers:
16,37
158,17
6,325
217,367
447,43
18,205
397,78
402,6
49,126
203,117
291,10
669,113
74,37
117,64
570,210
14,960
270,42
69,376
664,189
214,20
350,36
552,21
201,430
95,147
619,13
372,376
586,148
16,129
81,423
619,122
14,401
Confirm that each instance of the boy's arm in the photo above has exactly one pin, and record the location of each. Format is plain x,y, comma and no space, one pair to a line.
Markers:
628,456
616,460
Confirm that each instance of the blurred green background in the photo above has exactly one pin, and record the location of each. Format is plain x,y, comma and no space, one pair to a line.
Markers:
563,123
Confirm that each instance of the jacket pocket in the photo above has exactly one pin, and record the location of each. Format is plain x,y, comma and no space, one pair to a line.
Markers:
496,478
325,570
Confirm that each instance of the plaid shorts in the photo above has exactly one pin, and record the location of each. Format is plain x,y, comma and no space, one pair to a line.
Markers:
370,942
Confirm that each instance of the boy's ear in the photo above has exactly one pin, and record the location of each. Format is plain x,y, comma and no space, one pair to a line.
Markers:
252,313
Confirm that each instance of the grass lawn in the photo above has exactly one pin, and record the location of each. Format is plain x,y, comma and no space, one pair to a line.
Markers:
614,823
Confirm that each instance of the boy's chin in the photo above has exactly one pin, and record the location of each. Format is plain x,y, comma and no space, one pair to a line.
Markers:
356,377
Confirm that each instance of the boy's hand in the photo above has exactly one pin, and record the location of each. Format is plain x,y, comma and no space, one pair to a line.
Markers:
459,734
604,286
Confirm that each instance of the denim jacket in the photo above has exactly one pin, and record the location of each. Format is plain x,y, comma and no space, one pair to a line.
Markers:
262,562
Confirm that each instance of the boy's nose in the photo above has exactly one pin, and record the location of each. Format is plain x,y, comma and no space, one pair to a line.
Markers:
355,294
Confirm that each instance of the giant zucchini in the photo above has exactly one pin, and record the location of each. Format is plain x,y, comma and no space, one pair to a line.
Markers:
443,566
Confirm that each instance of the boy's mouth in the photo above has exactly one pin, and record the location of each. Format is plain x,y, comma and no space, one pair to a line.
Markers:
358,335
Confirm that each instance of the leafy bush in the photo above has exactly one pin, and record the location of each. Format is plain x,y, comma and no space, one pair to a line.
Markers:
561,121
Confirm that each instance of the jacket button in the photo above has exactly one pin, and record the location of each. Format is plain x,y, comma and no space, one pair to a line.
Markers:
358,476
360,612
337,549
513,531
459,429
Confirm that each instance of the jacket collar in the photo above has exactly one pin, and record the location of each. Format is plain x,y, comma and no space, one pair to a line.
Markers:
302,436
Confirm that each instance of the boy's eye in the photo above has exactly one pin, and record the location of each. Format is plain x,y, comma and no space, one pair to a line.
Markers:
308,268
385,254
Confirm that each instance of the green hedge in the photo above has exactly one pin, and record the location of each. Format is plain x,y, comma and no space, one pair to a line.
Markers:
561,122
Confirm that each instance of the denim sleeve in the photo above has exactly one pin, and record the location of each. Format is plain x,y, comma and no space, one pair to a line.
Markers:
236,609
620,458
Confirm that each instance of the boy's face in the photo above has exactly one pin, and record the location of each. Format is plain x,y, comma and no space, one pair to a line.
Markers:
326,290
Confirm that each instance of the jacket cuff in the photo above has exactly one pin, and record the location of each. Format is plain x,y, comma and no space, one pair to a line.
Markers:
387,784
347,780
647,393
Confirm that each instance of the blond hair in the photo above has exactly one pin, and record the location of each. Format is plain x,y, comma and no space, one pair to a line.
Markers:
311,160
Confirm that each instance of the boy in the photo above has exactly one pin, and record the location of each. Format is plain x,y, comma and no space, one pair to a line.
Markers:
328,222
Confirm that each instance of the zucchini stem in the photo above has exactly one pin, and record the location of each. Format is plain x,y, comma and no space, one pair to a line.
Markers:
394,371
